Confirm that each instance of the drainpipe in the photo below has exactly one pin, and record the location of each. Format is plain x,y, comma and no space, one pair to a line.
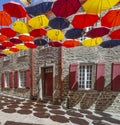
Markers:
61,73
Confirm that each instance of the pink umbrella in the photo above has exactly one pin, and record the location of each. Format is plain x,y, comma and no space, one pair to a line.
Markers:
15,40
55,44
98,32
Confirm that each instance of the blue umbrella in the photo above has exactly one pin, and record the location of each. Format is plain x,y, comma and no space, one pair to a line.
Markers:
59,23
40,42
39,7
74,33
110,43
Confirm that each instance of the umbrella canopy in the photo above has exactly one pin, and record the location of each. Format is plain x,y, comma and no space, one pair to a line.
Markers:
97,6
2,54
7,51
38,21
69,43
2,38
92,42
26,37
115,34
21,46
55,43
20,27
38,32
84,20
2,47
8,32
5,19
7,43
59,23
74,33
111,18
30,44
15,40
39,7
14,49
15,9
40,42
110,43
65,8
98,32
55,34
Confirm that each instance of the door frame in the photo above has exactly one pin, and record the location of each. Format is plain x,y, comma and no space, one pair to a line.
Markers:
40,80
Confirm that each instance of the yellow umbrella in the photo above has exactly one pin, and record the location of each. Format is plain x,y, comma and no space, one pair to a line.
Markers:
92,42
20,27
7,51
97,6
21,46
55,34
38,21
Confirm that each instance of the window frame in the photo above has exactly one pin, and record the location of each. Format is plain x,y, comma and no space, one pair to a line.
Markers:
21,53
6,58
6,79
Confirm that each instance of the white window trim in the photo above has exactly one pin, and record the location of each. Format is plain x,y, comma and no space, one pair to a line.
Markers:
7,85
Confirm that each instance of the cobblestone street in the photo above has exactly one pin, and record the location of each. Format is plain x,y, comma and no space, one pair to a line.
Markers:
25,112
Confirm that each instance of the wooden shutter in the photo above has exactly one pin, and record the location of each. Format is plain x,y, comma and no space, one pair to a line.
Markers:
28,78
11,80
73,76
115,76
2,81
100,76
16,79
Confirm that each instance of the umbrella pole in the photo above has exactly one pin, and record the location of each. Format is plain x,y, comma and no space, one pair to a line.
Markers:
61,73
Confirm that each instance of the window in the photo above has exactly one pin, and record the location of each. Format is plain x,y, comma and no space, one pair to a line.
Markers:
85,77
22,79
23,19
21,53
6,58
7,78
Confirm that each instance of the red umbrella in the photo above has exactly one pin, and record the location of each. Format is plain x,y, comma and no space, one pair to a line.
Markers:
111,18
55,44
65,8
84,20
115,34
8,32
7,44
15,9
15,40
38,32
98,32
30,45
71,43
14,49
2,38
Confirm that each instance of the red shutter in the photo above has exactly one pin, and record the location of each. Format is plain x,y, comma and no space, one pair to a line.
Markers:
11,79
28,78
2,80
73,76
16,79
115,76
100,76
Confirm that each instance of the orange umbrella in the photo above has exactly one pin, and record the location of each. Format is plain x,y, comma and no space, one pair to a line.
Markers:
2,37
26,37
5,19
14,49
71,43
30,45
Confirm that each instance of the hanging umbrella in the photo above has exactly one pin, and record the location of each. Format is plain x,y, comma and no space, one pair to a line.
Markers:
7,51
40,42
84,20
26,37
74,33
115,34
2,47
59,23
38,21
5,19
55,34
55,43
98,32
2,38
65,8
111,18
20,27
21,46
38,32
15,40
69,43
14,49
39,7
92,42
8,32
7,43
110,43
2,54
15,9
30,44
97,6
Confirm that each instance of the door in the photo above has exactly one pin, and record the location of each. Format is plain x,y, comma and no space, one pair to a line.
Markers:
48,81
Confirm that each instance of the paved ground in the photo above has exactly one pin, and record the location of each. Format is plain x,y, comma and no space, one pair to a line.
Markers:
25,112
